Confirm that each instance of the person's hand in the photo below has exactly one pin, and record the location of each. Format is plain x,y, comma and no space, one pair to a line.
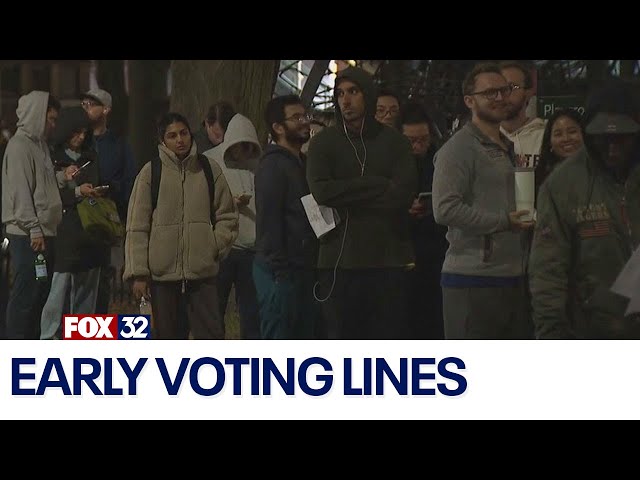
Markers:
141,288
518,225
69,172
86,190
37,244
242,200
418,209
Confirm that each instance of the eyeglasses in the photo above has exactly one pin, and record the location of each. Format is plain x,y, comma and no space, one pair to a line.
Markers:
383,112
89,103
492,93
300,118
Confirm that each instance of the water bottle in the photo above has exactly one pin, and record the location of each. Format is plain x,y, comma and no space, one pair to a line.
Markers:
145,309
41,268
145,306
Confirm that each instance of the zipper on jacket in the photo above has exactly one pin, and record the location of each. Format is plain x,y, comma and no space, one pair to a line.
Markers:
182,175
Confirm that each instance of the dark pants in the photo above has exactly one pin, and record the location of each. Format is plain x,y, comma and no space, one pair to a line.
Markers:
5,265
488,313
103,300
425,304
28,295
237,269
366,304
287,307
199,303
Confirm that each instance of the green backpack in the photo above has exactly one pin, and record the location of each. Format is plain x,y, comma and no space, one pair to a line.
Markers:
100,220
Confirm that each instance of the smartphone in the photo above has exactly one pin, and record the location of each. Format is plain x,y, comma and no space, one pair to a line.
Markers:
80,168
424,196
101,188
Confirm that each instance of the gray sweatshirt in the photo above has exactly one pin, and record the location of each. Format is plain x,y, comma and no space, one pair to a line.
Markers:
31,202
473,192
240,177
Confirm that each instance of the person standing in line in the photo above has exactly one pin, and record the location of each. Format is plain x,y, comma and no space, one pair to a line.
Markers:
237,157
31,210
366,171
173,253
483,284
284,269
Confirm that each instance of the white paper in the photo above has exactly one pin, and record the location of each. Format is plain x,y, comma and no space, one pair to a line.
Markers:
628,283
321,218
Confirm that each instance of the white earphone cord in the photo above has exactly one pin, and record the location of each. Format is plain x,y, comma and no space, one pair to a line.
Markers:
346,223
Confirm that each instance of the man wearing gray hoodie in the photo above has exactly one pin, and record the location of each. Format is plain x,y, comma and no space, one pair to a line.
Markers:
238,157
31,210
474,196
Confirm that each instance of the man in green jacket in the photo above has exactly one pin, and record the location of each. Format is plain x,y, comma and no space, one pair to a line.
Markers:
588,226
366,171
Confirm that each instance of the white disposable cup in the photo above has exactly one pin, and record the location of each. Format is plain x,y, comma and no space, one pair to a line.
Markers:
525,191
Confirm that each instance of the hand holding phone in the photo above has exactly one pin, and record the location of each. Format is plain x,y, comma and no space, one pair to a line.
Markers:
101,189
424,196
80,168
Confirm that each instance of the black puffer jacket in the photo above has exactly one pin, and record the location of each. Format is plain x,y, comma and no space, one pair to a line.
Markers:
75,251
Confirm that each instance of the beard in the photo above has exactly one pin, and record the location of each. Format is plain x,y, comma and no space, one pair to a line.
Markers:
296,136
491,115
513,110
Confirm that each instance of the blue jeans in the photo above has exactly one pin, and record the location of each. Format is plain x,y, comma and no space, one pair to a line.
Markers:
81,291
28,295
288,309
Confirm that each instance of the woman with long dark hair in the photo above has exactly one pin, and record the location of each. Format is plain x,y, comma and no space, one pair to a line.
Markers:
563,136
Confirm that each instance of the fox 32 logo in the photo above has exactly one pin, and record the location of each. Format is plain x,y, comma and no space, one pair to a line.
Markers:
106,327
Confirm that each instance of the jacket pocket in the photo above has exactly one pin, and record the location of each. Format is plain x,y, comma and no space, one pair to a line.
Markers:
163,249
203,249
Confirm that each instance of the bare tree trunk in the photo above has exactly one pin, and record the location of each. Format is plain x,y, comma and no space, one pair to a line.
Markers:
111,78
142,135
247,84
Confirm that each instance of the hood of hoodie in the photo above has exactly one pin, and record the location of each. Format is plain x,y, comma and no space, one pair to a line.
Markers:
240,129
70,120
365,81
535,124
32,113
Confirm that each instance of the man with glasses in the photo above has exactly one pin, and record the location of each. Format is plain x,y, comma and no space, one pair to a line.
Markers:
284,269
388,108
525,133
118,170
474,196
366,171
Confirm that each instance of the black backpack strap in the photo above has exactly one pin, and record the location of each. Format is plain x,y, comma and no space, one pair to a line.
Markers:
206,168
156,171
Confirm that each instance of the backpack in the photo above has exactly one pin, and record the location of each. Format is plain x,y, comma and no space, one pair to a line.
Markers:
100,220
156,172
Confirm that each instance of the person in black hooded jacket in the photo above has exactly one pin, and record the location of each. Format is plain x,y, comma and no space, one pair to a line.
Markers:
78,258
366,171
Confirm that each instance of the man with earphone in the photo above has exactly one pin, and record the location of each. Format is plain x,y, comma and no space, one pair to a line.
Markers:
366,171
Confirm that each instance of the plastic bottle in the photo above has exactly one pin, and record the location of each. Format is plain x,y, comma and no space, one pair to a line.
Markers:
145,309
41,268
145,306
